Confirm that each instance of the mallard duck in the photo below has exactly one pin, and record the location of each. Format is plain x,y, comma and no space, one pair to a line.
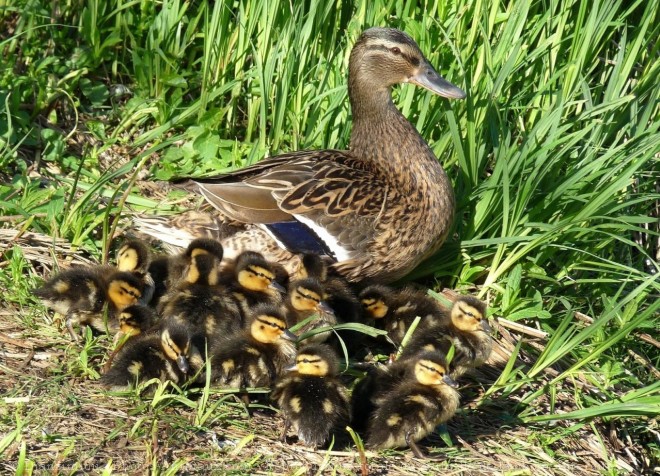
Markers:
81,295
198,300
412,409
305,299
169,354
378,209
168,270
467,331
254,280
134,256
395,309
311,397
256,356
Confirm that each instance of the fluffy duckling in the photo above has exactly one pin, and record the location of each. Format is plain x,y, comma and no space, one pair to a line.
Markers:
468,331
395,309
254,280
171,354
136,319
412,409
311,397
306,298
134,256
255,357
80,294
201,302
168,270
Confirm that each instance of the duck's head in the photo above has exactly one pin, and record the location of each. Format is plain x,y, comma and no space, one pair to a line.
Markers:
374,300
124,289
268,324
134,255
255,273
307,295
383,57
468,314
205,246
203,269
176,340
430,368
317,360
135,319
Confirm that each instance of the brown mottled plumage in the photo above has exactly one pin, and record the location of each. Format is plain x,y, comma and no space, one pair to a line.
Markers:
381,207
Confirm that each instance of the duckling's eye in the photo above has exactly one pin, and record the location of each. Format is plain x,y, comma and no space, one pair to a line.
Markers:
396,50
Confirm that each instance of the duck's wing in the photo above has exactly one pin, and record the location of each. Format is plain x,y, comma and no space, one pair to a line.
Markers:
306,197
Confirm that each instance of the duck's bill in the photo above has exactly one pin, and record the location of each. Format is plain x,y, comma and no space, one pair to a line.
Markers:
428,78
287,334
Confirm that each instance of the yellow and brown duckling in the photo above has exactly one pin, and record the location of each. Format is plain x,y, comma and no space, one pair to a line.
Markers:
306,299
168,270
201,302
81,295
311,396
467,330
171,354
134,256
394,310
254,280
377,209
412,409
258,354
136,319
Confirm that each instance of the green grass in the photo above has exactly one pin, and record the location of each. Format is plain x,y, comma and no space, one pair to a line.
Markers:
554,156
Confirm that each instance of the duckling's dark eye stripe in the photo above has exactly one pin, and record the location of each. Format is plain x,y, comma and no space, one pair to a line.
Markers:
308,296
272,324
261,275
431,369
467,313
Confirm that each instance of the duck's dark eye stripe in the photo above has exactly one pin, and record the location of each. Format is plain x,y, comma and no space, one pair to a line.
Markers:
467,313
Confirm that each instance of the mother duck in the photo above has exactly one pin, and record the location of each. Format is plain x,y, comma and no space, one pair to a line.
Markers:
377,209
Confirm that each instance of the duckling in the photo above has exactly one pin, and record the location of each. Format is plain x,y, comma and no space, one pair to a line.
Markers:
306,298
255,357
133,321
168,270
396,309
311,396
467,330
134,256
254,280
80,294
412,409
339,294
136,319
201,302
170,354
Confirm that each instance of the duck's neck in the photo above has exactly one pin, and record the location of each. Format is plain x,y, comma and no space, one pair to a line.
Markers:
390,145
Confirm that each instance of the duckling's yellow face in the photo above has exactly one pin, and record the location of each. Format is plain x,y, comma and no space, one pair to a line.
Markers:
255,278
197,252
267,329
310,364
428,372
128,324
376,308
174,351
123,294
128,258
304,299
466,317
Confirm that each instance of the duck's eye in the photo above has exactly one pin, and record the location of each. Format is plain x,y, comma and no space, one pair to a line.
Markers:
396,50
